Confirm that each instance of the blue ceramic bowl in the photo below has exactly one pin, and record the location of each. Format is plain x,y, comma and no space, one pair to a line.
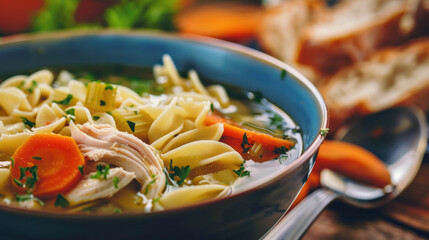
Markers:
248,214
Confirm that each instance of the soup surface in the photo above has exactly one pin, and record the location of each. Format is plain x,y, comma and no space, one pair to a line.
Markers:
110,139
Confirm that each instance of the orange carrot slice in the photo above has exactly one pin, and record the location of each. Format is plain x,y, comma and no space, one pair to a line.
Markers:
233,136
232,21
353,162
54,160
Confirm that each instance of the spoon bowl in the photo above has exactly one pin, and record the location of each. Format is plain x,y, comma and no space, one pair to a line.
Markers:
398,136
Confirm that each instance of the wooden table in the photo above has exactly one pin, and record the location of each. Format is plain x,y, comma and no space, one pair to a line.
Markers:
407,217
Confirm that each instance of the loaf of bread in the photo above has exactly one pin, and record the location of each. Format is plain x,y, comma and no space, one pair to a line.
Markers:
352,30
319,40
393,76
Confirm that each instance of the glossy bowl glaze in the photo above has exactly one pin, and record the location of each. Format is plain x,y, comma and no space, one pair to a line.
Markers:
246,215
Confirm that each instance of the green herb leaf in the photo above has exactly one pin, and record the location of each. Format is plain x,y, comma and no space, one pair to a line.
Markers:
27,122
179,173
95,118
32,87
212,107
102,172
324,131
245,143
115,181
283,74
65,101
61,201
18,183
241,172
12,161
80,169
36,158
150,183
108,87
102,103
117,210
70,111
257,96
280,150
28,196
132,125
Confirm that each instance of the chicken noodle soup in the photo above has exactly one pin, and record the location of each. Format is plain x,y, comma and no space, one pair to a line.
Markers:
110,144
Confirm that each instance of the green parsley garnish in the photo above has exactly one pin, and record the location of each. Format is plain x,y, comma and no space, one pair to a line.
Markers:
117,210
28,196
212,107
283,74
12,161
102,103
257,96
61,201
27,122
245,143
108,87
36,158
32,87
65,101
95,118
70,111
115,181
102,172
17,182
241,172
324,131
132,125
155,200
280,150
150,183
80,169
31,179
179,173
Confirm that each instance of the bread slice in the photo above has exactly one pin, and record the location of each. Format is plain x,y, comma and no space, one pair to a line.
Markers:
282,26
352,30
389,77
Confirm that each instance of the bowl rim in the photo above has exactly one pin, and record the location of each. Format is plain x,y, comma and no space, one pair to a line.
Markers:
230,46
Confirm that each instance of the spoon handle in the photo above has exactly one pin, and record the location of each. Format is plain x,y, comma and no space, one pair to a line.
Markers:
297,221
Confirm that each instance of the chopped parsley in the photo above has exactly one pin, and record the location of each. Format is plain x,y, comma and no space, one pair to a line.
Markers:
283,74
27,122
102,103
150,183
132,125
155,200
117,210
80,169
245,145
36,158
212,107
12,161
108,87
324,131
280,150
115,181
70,111
258,96
241,172
30,180
61,201
95,118
28,196
65,101
102,172
179,173
32,87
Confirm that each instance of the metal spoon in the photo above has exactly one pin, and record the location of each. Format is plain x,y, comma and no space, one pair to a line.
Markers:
398,136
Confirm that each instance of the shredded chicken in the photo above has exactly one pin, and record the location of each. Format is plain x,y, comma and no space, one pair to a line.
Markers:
89,189
103,143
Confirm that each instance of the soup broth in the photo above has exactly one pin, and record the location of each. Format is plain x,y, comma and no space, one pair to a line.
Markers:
148,143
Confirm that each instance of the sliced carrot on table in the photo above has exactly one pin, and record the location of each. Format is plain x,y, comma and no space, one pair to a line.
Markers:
351,161
47,165
226,20
236,137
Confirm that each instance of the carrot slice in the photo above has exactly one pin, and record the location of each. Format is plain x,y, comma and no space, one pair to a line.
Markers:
58,162
232,21
233,136
353,162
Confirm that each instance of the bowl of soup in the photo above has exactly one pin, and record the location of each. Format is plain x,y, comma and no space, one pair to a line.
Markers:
137,134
